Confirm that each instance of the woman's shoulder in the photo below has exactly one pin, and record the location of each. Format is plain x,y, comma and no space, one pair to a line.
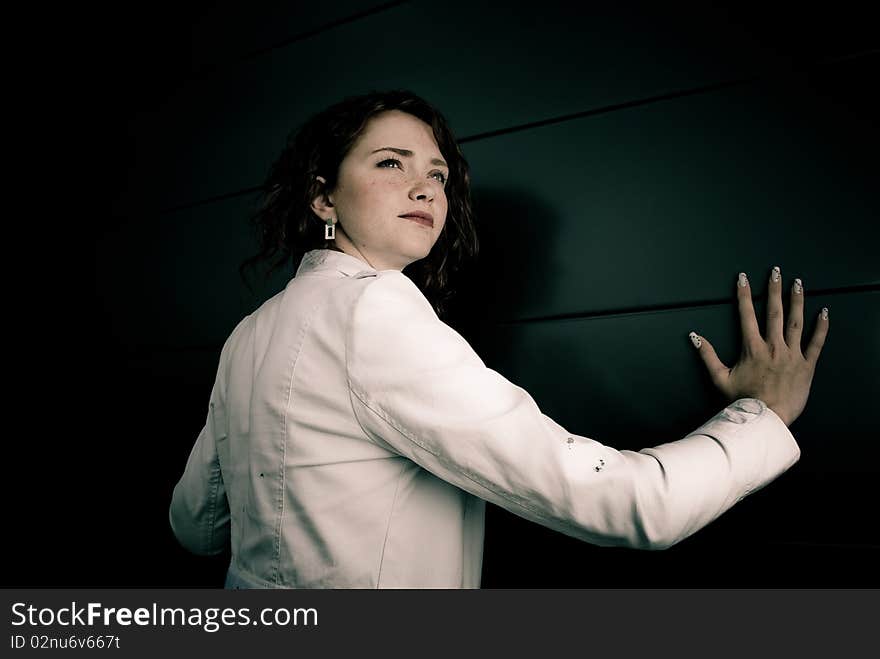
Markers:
391,294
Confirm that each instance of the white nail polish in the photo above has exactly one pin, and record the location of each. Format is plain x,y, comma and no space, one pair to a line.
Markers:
777,273
743,280
696,340
798,286
824,313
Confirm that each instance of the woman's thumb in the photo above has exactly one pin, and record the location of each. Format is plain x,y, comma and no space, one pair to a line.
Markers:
717,370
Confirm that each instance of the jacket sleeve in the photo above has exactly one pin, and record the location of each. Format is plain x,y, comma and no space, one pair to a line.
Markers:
199,512
418,389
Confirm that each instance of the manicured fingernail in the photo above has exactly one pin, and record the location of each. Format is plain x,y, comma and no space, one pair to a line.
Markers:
824,313
696,340
743,280
798,286
776,274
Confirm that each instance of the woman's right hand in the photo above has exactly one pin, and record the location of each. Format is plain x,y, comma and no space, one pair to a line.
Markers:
771,370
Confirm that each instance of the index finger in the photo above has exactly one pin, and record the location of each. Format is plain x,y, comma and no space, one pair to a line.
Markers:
748,322
818,339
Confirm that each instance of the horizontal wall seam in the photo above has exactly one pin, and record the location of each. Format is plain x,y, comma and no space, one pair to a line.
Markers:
215,68
781,72
632,311
679,306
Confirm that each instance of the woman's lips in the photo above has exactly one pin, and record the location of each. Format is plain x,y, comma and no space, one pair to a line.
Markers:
420,220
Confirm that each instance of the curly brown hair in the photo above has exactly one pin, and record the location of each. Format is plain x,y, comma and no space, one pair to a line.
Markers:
286,224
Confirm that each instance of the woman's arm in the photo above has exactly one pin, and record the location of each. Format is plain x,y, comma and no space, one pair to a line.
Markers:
418,389
199,512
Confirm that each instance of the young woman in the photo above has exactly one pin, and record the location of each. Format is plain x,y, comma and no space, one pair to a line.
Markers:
353,437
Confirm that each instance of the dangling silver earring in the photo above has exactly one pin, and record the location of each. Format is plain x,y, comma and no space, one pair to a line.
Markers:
330,230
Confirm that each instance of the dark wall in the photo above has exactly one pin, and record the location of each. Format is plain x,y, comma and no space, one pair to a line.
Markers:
627,162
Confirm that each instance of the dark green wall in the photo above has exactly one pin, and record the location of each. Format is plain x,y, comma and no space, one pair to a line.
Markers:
626,162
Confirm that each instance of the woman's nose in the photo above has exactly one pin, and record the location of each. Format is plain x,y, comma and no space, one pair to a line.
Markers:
421,190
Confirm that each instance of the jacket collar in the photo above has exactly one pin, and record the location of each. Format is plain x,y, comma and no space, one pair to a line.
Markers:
331,261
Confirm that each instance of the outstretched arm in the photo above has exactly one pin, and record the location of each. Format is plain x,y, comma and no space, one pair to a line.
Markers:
418,389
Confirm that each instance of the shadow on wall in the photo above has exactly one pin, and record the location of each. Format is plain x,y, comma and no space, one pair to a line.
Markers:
578,370
515,263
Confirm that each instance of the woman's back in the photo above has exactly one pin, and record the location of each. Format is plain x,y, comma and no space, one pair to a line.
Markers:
313,503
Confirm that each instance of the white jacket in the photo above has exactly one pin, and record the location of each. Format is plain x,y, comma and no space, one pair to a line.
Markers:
352,437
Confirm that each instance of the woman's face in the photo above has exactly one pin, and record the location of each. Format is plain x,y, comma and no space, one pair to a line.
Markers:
376,186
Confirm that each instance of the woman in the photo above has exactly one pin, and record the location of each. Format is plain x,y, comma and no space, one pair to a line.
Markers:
353,437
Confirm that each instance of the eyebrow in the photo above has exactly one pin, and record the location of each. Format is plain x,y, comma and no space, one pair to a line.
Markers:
408,154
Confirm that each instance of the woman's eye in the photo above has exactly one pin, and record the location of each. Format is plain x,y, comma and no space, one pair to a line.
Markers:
442,176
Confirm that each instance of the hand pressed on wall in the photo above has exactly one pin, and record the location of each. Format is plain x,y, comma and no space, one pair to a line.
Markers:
772,370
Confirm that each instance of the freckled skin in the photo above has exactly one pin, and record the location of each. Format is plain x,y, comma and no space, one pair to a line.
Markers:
371,193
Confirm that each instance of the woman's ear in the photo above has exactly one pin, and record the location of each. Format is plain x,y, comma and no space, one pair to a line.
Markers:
321,204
